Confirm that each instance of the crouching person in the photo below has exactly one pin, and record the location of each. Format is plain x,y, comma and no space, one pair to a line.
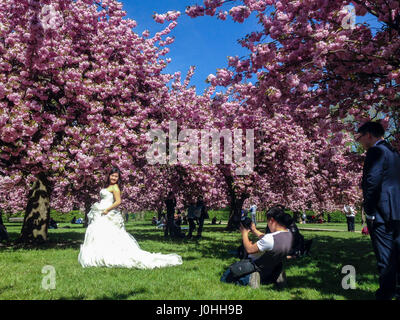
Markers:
264,263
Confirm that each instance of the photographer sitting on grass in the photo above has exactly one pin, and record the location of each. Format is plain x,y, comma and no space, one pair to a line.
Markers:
265,257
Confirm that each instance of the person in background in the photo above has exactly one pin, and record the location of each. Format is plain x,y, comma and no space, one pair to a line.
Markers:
204,215
191,218
170,203
253,214
162,223
303,218
350,217
177,225
52,224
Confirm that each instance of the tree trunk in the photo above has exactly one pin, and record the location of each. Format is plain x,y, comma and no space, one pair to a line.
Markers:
159,212
37,213
235,213
236,205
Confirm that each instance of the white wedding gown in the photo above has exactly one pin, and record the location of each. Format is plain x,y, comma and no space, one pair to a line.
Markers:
107,244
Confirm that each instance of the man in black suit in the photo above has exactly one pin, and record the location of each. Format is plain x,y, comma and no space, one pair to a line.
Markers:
381,191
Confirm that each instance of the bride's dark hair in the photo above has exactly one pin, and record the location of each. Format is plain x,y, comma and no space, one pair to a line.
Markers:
119,182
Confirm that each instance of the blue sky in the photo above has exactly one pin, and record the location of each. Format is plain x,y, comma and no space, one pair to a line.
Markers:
204,42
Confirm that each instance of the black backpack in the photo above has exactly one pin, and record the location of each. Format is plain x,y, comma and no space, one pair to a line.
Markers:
298,247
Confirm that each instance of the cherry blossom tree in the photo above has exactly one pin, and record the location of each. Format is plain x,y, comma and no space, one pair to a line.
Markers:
324,73
312,51
79,89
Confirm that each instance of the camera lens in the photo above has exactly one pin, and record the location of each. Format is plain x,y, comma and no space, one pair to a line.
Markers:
246,221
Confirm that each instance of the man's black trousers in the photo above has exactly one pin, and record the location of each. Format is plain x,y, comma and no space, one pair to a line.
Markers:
386,244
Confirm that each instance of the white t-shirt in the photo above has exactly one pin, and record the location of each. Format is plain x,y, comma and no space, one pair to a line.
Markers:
349,211
266,243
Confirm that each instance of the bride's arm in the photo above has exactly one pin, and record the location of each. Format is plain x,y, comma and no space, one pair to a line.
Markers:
117,197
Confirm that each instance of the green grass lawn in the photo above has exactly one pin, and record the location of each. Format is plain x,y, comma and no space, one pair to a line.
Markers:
330,225
317,276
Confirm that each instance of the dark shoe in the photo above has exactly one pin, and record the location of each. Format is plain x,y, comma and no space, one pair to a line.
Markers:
234,253
254,280
281,282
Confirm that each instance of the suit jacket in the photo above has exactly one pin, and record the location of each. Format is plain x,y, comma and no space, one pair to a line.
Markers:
381,183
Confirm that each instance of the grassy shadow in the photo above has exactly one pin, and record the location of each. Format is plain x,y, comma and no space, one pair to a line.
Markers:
209,246
58,239
113,296
121,296
323,269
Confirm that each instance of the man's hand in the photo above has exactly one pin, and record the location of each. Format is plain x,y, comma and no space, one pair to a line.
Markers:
249,247
370,223
254,231
253,228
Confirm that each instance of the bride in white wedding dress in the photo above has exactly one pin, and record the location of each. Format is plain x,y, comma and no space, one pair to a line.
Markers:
107,244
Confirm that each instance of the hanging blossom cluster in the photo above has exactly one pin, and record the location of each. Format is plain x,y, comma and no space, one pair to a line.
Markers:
169,16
